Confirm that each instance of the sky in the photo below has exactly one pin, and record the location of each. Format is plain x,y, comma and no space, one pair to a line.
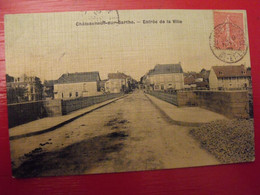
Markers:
50,44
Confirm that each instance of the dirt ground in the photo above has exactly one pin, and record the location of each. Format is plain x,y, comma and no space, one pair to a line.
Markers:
127,135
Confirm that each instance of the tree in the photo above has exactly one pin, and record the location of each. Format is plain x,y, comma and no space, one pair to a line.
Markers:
38,88
16,94
203,70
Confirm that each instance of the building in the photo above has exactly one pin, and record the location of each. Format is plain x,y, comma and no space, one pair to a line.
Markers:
74,85
193,80
230,77
24,88
48,89
164,77
117,82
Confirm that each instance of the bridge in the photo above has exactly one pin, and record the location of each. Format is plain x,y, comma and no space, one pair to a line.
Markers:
128,133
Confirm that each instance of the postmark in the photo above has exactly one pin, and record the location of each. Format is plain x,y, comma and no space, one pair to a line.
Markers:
227,40
102,15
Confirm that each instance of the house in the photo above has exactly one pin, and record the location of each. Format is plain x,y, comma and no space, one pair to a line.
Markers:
48,89
164,77
229,77
23,88
74,85
196,80
189,81
117,82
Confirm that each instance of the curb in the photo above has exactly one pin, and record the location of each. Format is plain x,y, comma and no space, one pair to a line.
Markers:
60,124
172,121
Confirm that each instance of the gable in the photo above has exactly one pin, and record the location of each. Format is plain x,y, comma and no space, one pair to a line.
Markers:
231,71
166,69
79,77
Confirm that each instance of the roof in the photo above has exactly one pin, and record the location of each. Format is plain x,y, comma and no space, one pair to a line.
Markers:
50,83
231,71
79,77
188,80
118,75
166,69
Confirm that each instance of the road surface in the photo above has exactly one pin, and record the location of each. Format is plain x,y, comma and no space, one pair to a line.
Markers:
128,135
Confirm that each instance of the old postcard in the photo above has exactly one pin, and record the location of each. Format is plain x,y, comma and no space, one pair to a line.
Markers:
127,90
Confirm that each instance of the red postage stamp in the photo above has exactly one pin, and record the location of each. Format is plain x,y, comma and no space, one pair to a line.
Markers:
230,31
228,41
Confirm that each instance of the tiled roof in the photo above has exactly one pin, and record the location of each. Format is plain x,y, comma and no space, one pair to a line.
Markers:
79,77
188,80
231,71
166,69
118,75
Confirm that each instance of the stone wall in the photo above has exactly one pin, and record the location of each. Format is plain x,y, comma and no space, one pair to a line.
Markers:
179,98
82,102
53,107
186,98
168,97
22,113
233,104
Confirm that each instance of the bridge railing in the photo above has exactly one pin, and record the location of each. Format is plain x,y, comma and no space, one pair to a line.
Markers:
168,97
21,113
233,103
82,102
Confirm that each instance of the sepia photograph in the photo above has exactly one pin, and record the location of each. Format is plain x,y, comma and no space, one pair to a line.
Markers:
127,90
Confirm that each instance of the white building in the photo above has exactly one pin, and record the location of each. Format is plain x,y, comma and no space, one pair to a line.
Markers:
32,88
73,85
116,83
165,76
229,77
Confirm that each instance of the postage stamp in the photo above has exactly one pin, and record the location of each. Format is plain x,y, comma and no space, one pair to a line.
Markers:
227,40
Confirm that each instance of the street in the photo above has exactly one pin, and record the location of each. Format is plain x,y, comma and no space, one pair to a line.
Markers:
129,134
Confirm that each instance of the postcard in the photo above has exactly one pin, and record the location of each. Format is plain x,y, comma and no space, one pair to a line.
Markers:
127,90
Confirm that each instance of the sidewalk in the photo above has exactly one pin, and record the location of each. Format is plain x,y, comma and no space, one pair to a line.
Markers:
48,124
186,116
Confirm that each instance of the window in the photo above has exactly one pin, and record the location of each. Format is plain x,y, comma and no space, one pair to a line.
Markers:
70,94
62,95
77,94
